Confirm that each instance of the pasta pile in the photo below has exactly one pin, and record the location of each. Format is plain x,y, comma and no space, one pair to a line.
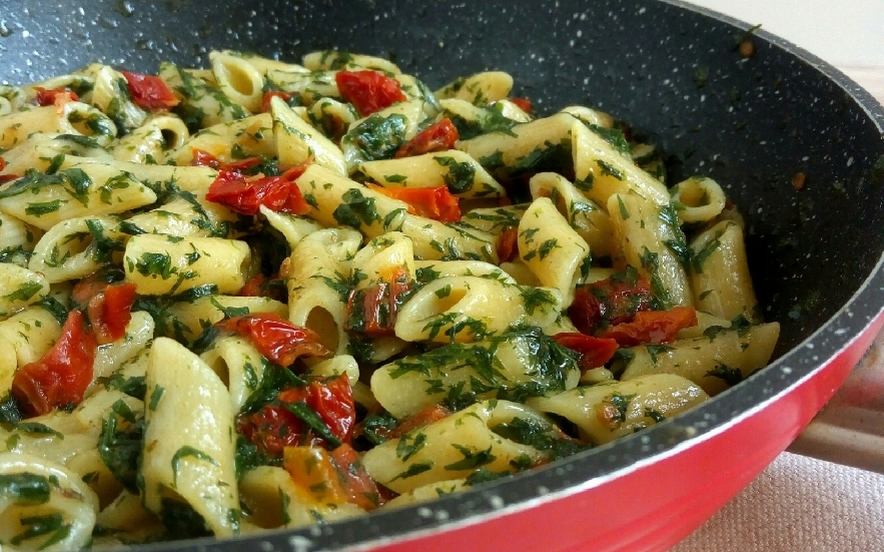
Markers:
266,295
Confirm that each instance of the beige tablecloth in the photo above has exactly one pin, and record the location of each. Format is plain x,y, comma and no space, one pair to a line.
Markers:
798,503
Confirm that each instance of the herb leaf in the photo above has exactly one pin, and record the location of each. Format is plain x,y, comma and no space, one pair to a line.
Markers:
25,488
471,460
188,451
314,420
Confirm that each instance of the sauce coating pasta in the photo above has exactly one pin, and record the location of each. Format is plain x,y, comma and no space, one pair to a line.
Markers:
267,294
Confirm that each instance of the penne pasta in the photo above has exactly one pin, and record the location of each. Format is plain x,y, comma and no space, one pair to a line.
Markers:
262,295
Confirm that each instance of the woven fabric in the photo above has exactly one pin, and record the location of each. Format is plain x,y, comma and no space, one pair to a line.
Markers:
799,504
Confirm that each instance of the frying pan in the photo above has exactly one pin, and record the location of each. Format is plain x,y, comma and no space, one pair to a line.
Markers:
675,73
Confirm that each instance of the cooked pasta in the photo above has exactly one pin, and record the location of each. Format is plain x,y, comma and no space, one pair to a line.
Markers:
267,294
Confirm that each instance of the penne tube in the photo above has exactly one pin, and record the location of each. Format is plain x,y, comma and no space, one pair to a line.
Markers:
720,275
610,410
648,236
447,450
189,438
518,363
44,200
721,358
466,308
553,251
454,169
165,265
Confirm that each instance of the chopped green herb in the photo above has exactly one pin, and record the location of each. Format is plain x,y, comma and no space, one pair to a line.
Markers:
155,397
613,136
309,416
443,291
377,137
700,257
44,208
155,264
608,169
36,428
25,488
356,210
542,436
654,350
375,426
24,292
491,120
409,444
741,324
102,248
535,297
677,243
731,376
188,451
133,386
182,521
414,469
55,163
229,312
654,415
121,444
397,178
624,213
460,176
471,459
38,526
620,403
248,457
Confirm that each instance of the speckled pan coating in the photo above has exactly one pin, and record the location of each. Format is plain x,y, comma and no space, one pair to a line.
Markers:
672,71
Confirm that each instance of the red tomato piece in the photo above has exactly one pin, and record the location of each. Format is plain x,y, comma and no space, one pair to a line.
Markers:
419,419
276,338
271,429
56,95
287,97
260,285
91,285
360,487
206,159
369,91
439,136
5,177
508,244
653,326
376,307
586,310
594,351
435,203
247,194
522,103
60,377
110,312
149,92
612,300
275,427
331,399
